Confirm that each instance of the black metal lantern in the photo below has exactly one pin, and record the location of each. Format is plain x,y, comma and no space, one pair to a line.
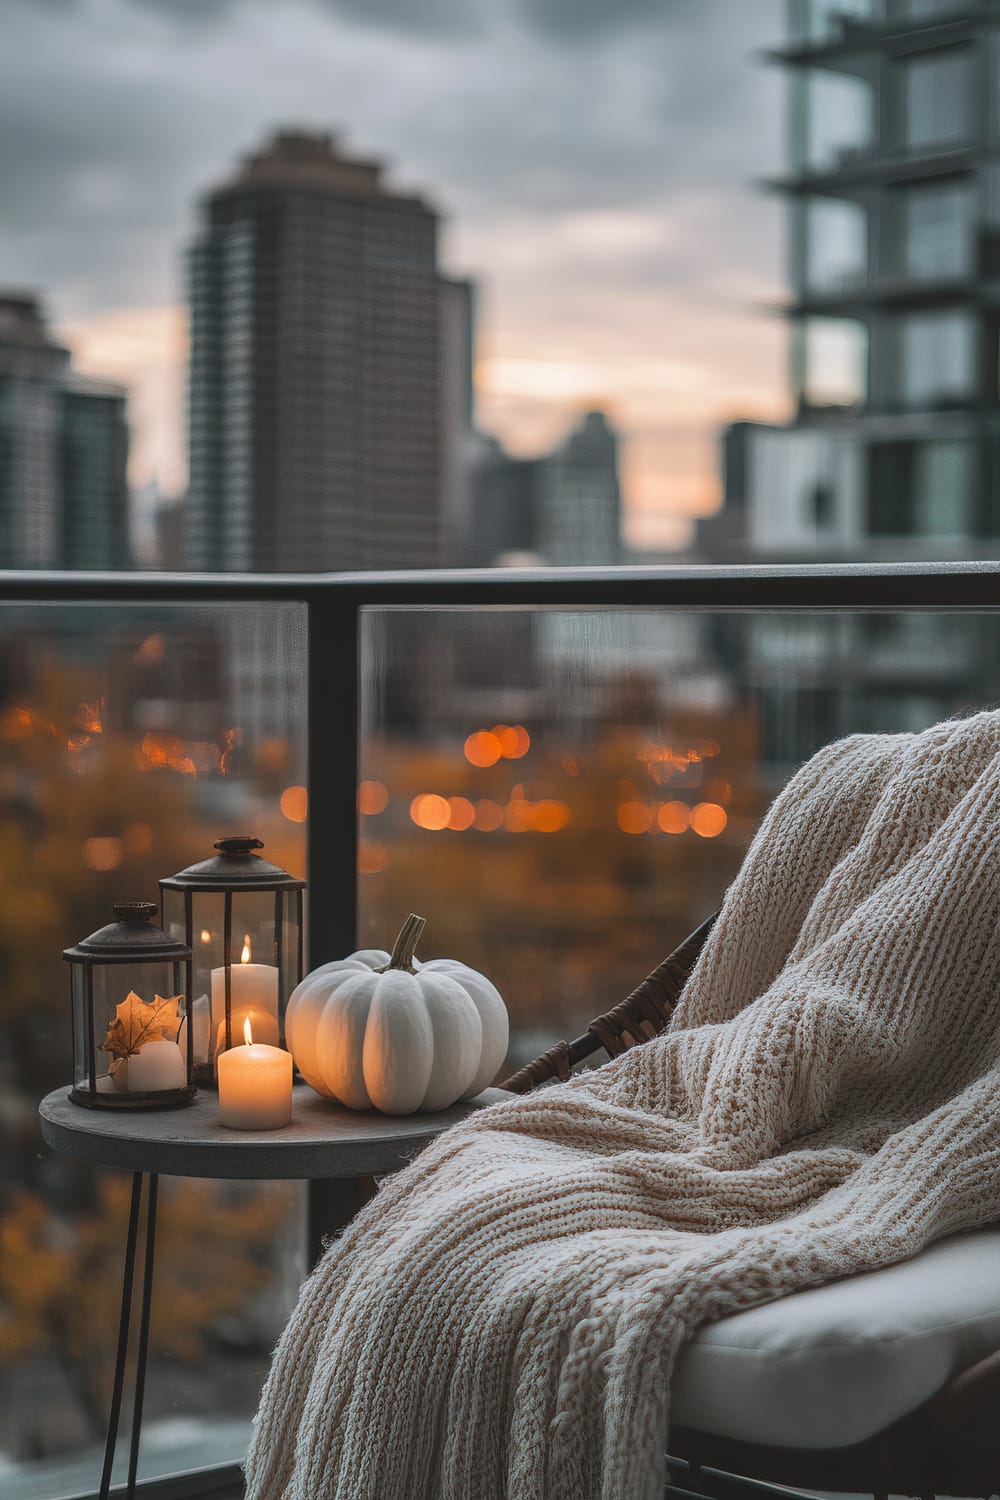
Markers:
129,984
242,918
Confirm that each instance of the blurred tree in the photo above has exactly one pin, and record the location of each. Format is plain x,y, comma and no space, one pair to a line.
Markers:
60,1282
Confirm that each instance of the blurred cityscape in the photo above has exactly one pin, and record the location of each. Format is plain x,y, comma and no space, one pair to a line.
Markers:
562,795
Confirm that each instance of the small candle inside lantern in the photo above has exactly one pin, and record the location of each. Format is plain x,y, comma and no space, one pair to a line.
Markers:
255,1085
253,994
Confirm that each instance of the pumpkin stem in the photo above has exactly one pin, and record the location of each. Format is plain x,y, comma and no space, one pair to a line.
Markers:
405,945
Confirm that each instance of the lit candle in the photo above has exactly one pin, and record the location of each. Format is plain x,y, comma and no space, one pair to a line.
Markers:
255,1085
254,995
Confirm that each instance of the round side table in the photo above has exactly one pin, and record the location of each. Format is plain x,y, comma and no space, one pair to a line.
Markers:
340,1152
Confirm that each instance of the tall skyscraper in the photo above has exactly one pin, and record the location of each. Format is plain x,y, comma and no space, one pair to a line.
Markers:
315,404
63,453
893,188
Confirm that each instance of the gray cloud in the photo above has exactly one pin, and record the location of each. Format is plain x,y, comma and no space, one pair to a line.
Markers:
114,118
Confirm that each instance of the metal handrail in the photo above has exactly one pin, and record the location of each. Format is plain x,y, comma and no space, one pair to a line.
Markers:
333,603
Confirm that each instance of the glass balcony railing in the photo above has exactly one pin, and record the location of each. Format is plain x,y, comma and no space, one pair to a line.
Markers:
559,770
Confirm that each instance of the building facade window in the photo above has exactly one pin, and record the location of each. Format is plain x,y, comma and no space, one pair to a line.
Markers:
922,489
833,119
824,20
935,98
933,231
835,244
832,354
936,359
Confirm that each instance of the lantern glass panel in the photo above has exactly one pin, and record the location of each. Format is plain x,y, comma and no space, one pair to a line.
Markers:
290,955
156,1060
253,974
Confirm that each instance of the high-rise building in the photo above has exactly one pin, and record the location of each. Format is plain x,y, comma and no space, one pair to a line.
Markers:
893,193
893,189
459,439
579,500
315,402
63,453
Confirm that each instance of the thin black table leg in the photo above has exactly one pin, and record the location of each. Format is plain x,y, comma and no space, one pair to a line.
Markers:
123,1327
333,1202
143,1350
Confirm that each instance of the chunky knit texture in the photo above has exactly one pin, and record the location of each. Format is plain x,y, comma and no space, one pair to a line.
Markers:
503,1318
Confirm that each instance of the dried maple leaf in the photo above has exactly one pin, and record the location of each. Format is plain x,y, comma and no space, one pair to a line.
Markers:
137,1022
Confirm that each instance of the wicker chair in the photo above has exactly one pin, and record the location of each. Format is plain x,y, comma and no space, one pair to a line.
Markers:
948,1445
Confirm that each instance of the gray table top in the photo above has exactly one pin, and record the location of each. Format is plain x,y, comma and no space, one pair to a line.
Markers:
324,1140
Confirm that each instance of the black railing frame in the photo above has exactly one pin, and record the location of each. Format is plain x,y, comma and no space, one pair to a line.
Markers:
333,604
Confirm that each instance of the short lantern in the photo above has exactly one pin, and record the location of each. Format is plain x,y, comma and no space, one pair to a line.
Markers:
242,918
129,984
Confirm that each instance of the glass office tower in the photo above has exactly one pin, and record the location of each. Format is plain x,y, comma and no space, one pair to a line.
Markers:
893,194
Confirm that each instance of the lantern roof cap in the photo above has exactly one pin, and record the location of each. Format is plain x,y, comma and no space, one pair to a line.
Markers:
235,865
132,936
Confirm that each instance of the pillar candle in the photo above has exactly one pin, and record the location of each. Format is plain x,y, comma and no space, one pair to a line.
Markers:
254,993
255,1085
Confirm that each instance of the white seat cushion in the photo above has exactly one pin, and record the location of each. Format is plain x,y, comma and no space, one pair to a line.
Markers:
831,1366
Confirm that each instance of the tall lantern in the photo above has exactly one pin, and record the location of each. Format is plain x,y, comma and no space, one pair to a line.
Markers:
129,984
242,918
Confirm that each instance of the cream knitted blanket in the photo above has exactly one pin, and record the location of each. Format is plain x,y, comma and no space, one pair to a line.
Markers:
503,1318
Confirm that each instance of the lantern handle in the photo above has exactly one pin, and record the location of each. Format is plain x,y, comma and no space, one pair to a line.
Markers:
134,912
238,843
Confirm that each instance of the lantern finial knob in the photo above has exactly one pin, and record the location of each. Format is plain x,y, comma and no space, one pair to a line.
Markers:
134,912
238,843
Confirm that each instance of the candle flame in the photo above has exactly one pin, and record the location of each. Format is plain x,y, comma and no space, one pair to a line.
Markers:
245,955
247,1033
206,936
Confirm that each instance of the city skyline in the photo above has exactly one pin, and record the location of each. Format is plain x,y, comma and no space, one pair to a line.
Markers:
613,269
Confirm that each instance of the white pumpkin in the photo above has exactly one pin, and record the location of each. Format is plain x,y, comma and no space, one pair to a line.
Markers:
384,1031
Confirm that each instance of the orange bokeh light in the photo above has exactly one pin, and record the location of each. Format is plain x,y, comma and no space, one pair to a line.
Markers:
372,798
634,817
295,803
518,815
708,819
489,816
430,811
514,740
549,816
463,814
372,858
674,817
482,748
103,854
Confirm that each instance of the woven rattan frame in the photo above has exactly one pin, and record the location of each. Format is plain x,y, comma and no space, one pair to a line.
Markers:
949,1446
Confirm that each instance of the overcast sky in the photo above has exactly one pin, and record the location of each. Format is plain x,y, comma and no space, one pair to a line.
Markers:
594,162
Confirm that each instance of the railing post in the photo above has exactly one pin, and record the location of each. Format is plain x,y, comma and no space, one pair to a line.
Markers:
333,732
